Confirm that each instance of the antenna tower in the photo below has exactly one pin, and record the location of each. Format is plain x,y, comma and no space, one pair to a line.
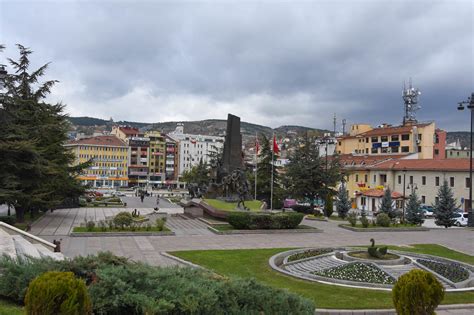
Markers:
410,100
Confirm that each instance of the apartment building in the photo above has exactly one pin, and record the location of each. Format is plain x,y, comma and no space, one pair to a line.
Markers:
171,161
124,133
194,148
138,167
109,156
423,139
156,158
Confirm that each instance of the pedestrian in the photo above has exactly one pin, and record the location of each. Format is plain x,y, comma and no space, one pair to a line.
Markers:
142,196
157,200
264,205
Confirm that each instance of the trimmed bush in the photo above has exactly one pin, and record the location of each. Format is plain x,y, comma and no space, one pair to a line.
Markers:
302,209
123,219
160,224
417,292
57,292
264,221
352,218
8,219
364,221
383,220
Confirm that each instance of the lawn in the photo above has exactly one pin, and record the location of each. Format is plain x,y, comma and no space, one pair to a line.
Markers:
254,205
254,263
394,226
228,227
7,308
83,229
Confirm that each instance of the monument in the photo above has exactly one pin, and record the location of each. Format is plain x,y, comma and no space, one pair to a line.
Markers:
232,157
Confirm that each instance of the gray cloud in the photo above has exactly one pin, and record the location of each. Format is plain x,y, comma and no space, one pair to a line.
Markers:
272,63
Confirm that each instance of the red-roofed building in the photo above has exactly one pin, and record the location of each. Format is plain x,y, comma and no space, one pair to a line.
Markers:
109,157
125,132
371,199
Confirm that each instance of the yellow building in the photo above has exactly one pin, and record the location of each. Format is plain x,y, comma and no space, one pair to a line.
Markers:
156,158
109,157
420,138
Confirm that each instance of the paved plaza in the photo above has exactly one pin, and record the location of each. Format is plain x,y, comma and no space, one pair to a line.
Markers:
192,234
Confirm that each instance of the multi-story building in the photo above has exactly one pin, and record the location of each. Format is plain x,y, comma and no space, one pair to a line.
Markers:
172,161
457,154
109,156
124,132
138,168
420,138
194,148
156,158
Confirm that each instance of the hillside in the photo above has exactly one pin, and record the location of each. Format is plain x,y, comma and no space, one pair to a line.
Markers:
463,137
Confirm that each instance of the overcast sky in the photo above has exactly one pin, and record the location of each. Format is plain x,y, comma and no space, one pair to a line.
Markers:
272,63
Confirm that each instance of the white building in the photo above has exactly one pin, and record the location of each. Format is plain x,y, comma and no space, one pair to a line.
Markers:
194,148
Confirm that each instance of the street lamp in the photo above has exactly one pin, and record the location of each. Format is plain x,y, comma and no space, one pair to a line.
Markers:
470,105
403,208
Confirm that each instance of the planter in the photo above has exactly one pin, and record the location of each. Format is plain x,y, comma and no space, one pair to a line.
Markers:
281,231
126,233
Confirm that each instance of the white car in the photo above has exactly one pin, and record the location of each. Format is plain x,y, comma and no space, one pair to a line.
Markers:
461,219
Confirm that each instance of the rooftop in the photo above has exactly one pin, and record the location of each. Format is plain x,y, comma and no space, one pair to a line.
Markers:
378,193
100,140
424,165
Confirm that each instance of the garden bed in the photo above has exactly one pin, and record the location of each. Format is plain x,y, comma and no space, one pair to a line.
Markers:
139,231
226,229
316,218
401,228
451,271
358,272
365,255
253,205
309,253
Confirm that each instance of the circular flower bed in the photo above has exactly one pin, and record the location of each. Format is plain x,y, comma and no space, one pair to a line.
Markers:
450,271
365,255
359,272
310,253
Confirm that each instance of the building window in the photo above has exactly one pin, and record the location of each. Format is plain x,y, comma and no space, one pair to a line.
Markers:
399,179
451,181
405,137
367,140
419,136
384,150
384,138
423,180
395,138
436,200
374,150
423,199
366,178
405,149
383,178
375,179
375,139
436,152
394,149
411,180
468,182
357,177
437,181
367,150
419,148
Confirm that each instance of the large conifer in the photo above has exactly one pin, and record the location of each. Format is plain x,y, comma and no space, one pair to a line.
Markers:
445,208
414,214
343,204
387,204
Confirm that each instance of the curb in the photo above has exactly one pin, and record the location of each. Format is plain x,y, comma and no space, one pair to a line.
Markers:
282,231
182,261
323,311
105,234
382,229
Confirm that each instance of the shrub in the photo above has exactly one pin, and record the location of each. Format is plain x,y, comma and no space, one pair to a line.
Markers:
114,199
383,220
352,218
82,202
364,221
99,198
90,225
417,292
102,225
302,209
252,221
123,219
160,224
57,293
8,219
328,206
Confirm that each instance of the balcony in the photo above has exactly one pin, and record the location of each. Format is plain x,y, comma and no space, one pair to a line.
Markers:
136,173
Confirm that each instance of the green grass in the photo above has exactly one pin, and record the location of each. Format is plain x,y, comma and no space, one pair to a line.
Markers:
254,263
228,227
254,205
8,308
412,226
83,229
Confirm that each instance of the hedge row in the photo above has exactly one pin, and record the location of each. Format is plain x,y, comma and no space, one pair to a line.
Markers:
264,221
117,286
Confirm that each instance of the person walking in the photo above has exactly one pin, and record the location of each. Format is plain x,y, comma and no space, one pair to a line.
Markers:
142,196
157,200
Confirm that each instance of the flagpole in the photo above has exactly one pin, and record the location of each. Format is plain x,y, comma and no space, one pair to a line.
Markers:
271,184
256,164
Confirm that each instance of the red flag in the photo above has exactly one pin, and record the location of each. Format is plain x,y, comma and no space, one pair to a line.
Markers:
257,145
276,149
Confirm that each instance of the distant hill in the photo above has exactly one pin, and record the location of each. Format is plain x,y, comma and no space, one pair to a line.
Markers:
213,127
463,137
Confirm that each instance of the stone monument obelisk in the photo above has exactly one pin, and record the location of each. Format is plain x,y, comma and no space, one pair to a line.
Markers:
232,157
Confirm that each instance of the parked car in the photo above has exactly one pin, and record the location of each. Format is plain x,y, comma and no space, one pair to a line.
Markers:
288,203
461,219
427,211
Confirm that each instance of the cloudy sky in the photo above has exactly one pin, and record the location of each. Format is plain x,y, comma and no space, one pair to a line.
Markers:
272,63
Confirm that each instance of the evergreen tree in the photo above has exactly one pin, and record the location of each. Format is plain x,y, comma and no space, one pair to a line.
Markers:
343,204
445,208
387,204
35,168
414,214
264,173
199,174
309,175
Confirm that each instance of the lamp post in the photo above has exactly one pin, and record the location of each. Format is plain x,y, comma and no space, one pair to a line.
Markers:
403,208
470,106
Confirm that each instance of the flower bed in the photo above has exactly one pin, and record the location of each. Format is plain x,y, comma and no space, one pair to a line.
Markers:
309,253
450,271
358,272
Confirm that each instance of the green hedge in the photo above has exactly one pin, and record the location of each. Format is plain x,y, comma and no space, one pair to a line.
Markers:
264,221
8,219
117,286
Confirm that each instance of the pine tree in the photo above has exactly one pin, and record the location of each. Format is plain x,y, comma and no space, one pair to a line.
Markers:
414,214
343,204
445,208
386,206
35,168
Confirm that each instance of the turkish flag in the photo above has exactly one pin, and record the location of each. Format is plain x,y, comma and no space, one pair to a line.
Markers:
276,149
